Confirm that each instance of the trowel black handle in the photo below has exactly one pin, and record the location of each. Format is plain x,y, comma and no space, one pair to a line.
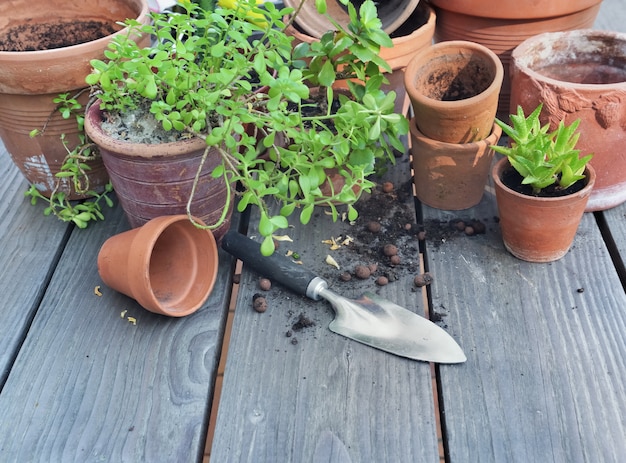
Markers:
276,267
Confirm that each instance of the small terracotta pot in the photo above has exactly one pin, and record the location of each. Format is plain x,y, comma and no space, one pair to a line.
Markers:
502,25
539,229
451,176
392,14
580,75
30,80
168,265
152,180
453,88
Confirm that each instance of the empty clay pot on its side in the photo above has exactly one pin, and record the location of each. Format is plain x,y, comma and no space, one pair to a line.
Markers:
451,176
168,265
453,88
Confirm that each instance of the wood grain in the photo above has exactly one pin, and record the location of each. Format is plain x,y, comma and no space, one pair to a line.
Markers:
88,385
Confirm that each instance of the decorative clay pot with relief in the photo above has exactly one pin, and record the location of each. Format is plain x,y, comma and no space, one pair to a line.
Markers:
502,25
580,75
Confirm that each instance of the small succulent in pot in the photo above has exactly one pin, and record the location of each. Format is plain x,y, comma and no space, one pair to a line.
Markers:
543,159
232,78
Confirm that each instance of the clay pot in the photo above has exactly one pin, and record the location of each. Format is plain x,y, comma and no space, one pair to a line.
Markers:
453,88
168,265
152,180
413,35
539,229
392,14
451,176
580,75
502,25
30,80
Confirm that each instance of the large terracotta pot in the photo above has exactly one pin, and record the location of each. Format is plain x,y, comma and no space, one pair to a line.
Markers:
502,25
538,229
30,80
451,176
413,35
453,87
580,75
169,266
153,180
392,14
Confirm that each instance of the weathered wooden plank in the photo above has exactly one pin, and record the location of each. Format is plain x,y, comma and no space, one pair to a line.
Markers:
317,396
29,248
88,385
546,371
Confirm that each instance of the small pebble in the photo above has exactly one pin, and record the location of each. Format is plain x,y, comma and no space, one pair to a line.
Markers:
421,236
374,227
387,187
407,226
289,333
294,341
373,267
390,250
362,272
259,303
469,230
395,260
460,225
479,227
423,279
265,284
382,281
580,290
345,276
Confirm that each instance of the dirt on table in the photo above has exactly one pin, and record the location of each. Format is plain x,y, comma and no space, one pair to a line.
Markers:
48,36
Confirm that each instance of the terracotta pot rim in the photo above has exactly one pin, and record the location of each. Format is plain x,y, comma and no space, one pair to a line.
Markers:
521,55
503,163
493,138
430,23
509,9
439,50
93,128
52,54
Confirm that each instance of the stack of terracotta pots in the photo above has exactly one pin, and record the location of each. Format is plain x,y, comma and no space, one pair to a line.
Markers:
453,88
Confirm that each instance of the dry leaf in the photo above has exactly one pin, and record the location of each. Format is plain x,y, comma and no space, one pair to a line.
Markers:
331,261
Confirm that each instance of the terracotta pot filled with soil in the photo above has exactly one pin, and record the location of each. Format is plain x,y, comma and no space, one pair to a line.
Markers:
538,228
451,176
168,265
502,25
45,50
453,88
580,75
153,178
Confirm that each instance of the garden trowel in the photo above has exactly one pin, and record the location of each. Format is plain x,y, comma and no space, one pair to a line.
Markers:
369,319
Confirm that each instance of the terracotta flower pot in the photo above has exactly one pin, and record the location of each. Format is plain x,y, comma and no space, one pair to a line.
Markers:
413,35
502,25
168,265
453,88
30,80
153,180
580,75
451,176
392,14
539,229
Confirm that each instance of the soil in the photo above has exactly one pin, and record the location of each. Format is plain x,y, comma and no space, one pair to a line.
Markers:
512,179
448,85
47,36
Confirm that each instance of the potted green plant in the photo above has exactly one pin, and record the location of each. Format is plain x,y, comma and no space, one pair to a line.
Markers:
542,187
198,81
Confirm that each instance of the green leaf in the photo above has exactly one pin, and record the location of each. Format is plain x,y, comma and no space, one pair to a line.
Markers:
305,215
320,5
267,246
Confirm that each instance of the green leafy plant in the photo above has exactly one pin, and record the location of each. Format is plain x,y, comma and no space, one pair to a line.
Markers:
73,173
541,157
231,77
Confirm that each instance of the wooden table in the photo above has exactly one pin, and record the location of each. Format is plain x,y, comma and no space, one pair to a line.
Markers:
545,378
